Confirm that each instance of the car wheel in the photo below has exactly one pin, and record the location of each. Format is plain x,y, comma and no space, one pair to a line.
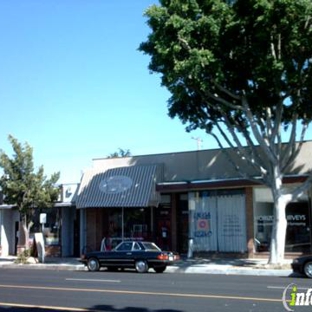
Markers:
141,266
93,264
160,269
308,269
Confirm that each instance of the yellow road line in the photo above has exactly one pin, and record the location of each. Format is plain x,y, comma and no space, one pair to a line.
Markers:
17,305
147,293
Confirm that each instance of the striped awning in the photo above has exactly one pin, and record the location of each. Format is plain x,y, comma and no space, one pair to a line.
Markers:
133,186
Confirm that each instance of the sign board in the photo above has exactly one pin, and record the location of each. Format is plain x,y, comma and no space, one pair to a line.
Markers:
39,239
115,184
43,218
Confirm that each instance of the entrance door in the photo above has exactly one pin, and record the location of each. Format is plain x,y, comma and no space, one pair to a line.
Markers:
163,227
182,223
77,234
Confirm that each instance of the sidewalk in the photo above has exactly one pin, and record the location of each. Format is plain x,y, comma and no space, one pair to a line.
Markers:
256,267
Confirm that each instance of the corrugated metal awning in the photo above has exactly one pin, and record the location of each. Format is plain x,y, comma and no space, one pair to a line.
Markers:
133,186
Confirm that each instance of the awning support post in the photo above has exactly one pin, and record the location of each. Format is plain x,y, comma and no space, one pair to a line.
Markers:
122,223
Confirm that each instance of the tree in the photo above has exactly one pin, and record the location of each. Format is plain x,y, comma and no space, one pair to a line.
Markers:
121,153
24,187
241,71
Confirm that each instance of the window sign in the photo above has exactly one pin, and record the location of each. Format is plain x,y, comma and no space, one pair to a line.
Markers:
202,220
218,222
232,223
298,224
202,224
43,218
115,184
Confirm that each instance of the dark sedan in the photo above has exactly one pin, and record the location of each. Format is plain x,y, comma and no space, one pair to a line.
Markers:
140,255
303,265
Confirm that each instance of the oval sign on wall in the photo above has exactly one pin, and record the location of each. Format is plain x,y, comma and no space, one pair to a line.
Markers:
115,184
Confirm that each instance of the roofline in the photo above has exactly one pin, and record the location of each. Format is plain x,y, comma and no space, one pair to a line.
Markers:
57,204
219,183
185,152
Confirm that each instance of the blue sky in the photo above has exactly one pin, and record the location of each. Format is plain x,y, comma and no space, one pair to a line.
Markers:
75,87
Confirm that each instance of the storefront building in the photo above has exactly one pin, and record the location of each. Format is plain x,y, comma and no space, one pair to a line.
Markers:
58,224
190,202
117,204
9,221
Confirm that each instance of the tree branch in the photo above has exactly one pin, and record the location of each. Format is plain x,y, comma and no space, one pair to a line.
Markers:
264,144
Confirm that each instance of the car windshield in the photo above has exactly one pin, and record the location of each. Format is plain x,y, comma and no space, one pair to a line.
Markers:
150,246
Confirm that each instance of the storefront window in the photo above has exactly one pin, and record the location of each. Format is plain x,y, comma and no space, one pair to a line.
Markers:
129,223
298,222
51,229
218,221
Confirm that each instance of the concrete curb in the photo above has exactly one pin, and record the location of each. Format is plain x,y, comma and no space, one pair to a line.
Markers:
228,270
211,268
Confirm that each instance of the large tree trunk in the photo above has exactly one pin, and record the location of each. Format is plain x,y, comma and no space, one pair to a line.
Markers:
277,248
23,240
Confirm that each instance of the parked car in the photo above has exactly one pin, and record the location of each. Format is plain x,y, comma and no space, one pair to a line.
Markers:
303,265
140,255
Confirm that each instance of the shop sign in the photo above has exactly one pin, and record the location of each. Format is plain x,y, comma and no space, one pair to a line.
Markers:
202,224
231,225
115,184
297,220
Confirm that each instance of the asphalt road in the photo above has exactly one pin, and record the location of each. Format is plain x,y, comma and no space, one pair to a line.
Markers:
39,290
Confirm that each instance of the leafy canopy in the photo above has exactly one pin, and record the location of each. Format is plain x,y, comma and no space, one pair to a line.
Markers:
242,68
21,184
214,56
121,153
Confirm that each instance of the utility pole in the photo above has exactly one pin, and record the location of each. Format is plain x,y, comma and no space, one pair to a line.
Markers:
198,141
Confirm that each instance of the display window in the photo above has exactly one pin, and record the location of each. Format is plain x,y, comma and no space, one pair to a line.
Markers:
51,228
298,235
129,223
218,221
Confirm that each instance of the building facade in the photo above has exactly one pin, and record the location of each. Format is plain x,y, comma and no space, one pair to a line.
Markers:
191,202
59,225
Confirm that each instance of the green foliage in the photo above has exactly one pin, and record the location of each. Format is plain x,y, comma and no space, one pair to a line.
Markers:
121,153
21,184
211,54
241,70
23,257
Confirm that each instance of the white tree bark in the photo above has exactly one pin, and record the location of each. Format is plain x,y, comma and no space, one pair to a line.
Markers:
260,146
278,237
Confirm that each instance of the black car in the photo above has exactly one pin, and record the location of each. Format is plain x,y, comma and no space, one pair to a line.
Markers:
303,265
140,255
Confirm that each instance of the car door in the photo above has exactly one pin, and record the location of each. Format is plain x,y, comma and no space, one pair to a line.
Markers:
123,254
136,254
